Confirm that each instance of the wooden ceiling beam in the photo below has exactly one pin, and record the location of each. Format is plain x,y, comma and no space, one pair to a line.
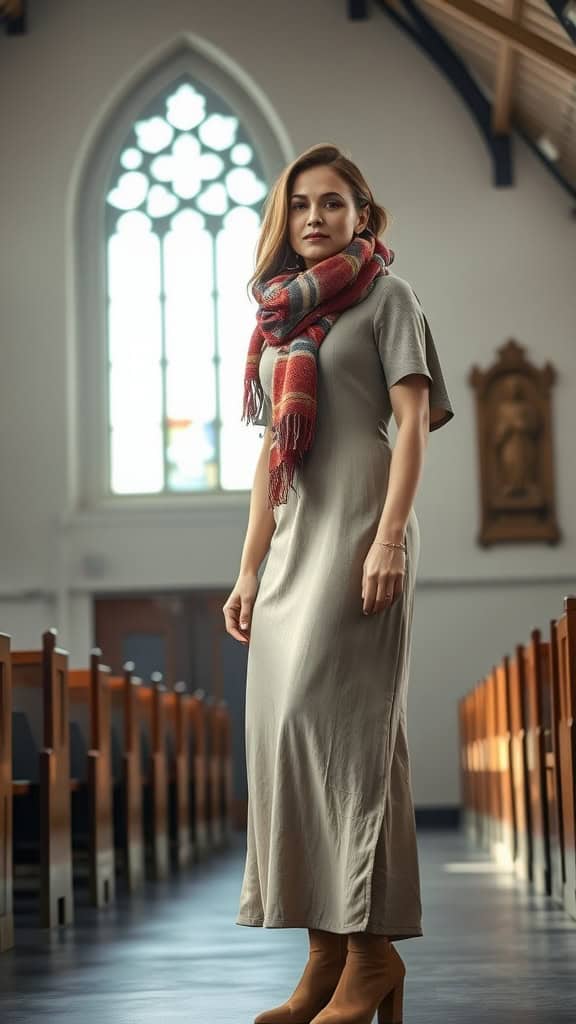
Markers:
428,37
504,76
560,7
521,39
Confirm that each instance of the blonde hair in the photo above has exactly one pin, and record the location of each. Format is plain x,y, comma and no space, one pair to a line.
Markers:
273,250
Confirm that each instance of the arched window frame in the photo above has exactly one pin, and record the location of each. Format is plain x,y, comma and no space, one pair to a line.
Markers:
89,451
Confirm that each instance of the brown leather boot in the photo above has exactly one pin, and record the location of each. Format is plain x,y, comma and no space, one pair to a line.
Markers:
372,979
325,963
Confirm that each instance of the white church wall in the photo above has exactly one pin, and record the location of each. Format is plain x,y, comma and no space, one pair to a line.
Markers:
487,263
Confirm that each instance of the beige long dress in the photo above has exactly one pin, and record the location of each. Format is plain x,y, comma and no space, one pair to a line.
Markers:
331,840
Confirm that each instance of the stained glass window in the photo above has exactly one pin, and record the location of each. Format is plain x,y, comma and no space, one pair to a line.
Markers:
182,217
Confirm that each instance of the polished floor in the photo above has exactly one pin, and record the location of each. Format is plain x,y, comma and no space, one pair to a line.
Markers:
492,952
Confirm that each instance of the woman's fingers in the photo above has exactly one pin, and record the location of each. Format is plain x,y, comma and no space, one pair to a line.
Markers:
233,625
238,608
233,630
245,614
380,594
369,594
385,596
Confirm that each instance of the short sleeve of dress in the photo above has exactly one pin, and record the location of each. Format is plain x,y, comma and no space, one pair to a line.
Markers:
405,345
264,415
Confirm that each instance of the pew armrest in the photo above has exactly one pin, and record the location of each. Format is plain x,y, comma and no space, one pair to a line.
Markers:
21,787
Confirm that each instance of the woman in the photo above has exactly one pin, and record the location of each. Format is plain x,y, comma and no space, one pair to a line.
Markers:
340,343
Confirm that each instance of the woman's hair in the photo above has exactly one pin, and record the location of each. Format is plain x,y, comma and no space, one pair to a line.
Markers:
273,251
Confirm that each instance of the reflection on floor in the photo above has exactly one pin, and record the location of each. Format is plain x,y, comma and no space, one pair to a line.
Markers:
492,953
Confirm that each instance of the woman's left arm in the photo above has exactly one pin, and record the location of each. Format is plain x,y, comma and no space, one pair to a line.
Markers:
384,567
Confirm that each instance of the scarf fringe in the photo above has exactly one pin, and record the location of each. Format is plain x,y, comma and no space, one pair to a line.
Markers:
288,432
294,434
253,395
279,483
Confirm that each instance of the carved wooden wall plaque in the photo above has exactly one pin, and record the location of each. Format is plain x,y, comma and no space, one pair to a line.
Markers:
513,405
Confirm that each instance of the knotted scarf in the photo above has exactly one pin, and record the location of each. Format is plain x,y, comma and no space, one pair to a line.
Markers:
300,308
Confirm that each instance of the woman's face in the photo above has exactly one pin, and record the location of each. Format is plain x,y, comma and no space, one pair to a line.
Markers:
321,201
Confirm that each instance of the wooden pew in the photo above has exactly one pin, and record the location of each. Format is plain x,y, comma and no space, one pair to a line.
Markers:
464,762
553,768
90,690
198,774
177,715
566,650
517,728
486,780
226,770
535,668
477,753
493,792
467,765
40,681
482,784
506,852
213,745
519,756
152,723
6,901
128,829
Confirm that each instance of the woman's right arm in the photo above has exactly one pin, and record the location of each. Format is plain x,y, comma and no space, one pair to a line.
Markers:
261,523
261,526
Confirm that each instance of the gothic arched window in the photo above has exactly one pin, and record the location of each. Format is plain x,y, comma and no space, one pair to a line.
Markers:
182,218
182,179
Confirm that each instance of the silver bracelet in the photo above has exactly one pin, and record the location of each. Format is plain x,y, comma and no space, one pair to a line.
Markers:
391,544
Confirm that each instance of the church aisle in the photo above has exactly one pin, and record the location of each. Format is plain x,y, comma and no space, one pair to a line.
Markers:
491,951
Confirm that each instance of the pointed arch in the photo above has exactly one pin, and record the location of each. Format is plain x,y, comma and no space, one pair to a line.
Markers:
165,212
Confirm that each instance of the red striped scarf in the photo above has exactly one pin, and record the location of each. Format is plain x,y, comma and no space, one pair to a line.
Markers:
300,308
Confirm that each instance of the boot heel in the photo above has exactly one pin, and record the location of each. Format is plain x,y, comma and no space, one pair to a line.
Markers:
390,1009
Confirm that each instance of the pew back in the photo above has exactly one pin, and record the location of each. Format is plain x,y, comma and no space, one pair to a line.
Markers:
90,703
566,654
127,774
6,900
152,731
179,769
40,685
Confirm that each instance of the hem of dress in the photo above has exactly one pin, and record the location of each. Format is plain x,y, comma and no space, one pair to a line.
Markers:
413,932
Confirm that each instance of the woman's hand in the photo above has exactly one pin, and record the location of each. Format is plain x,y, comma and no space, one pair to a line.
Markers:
238,607
382,577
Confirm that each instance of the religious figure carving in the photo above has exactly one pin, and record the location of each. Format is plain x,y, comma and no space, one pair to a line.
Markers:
515,449
516,436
